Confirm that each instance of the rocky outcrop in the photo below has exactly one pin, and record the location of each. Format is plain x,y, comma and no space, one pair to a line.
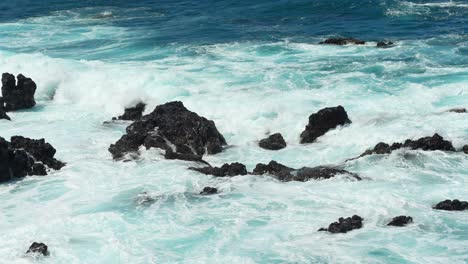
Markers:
449,205
38,248
132,113
436,142
465,149
383,44
18,95
284,173
273,142
344,225
227,170
171,127
459,110
209,191
23,157
401,220
323,121
3,114
342,41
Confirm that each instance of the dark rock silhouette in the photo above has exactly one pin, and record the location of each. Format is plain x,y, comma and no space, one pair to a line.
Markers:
209,191
132,113
171,155
382,44
342,41
284,173
3,114
458,110
449,205
465,149
38,248
230,170
344,225
323,121
39,149
401,220
273,142
18,95
171,127
436,142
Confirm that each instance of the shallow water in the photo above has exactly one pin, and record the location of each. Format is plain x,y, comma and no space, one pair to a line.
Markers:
253,68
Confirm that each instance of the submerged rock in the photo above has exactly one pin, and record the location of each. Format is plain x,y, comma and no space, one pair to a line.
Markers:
323,121
449,205
342,41
273,142
382,44
38,248
284,173
18,161
132,113
18,95
458,110
344,225
401,220
436,142
171,127
230,170
209,191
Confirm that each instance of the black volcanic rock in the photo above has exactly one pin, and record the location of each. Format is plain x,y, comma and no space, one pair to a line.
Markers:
342,41
401,220
3,114
465,149
459,110
38,248
449,205
273,142
344,225
436,142
39,149
230,170
18,95
171,127
132,113
284,173
323,121
209,191
382,44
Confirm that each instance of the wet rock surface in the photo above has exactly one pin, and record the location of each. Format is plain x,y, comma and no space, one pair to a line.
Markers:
323,121
171,127
39,149
227,170
342,41
3,114
132,113
273,142
401,220
459,110
209,191
18,95
38,248
284,173
449,205
465,149
383,44
344,225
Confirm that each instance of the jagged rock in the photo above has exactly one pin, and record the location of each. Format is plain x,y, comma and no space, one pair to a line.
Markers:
18,95
382,44
38,248
132,113
344,225
3,114
171,127
323,121
465,149
209,191
458,110
230,170
449,205
273,142
284,173
39,149
401,220
436,142
342,41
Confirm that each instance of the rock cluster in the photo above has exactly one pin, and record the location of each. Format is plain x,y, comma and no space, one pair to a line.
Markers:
344,225
449,205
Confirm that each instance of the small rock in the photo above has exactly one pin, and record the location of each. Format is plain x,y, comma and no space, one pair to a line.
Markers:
401,220
344,225
382,44
230,170
3,114
449,205
273,142
342,41
18,95
323,121
209,191
132,113
458,110
465,149
38,248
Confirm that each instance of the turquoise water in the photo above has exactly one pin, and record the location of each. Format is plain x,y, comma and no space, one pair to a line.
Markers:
253,68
